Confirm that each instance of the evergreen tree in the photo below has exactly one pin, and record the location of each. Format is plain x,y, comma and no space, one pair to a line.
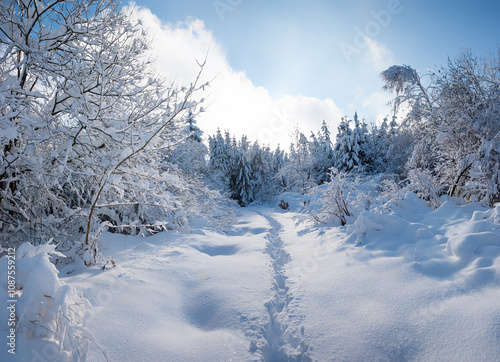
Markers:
243,188
192,131
191,153
219,155
298,170
393,126
220,162
345,156
353,147
324,158
358,142
279,161
379,146
326,142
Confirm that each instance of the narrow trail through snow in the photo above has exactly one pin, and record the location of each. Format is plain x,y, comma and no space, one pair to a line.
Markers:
282,345
203,296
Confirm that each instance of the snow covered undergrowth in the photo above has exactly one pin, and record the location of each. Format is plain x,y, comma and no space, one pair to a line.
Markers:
44,319
414,285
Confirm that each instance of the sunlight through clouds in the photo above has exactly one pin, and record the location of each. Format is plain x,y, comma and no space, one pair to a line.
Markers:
232,101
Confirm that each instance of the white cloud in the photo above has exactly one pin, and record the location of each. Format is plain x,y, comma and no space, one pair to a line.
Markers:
378,55
233,101
378,105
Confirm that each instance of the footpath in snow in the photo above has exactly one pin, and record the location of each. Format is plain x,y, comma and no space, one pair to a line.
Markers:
194,297
414,285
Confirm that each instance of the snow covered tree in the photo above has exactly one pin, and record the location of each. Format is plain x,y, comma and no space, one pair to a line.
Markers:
325,141
321,149
192,130
83,120
190,153
220,153
316,156
456,114
221,159
393,126
361,146
248,172
279,162
297,172
387,148
346,153
383,130
243,188
354,149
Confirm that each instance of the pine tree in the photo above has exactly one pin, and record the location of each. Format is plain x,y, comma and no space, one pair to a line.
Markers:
243,188
353,147
279,161
192,131
324,159
345,156
190,154
297,172
326,142
220,164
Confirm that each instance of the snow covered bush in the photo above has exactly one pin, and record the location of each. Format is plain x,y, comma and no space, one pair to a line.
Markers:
211,207
337,201
483,185
46,308
423,183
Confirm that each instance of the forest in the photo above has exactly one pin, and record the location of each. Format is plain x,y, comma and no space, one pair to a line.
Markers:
92,139
93,142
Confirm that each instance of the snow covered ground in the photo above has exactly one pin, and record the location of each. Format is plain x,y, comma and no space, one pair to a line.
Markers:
415,285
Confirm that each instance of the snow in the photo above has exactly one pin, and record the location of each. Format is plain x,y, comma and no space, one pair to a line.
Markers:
414,284
368,299
174,296
50,316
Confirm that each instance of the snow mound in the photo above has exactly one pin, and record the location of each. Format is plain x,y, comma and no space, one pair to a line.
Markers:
442,242
478,237
485,244
49,313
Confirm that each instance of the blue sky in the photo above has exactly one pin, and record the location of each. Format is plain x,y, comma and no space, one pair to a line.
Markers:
313,48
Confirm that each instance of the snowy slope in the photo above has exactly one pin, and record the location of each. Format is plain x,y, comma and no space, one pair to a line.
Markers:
414,285
365,297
